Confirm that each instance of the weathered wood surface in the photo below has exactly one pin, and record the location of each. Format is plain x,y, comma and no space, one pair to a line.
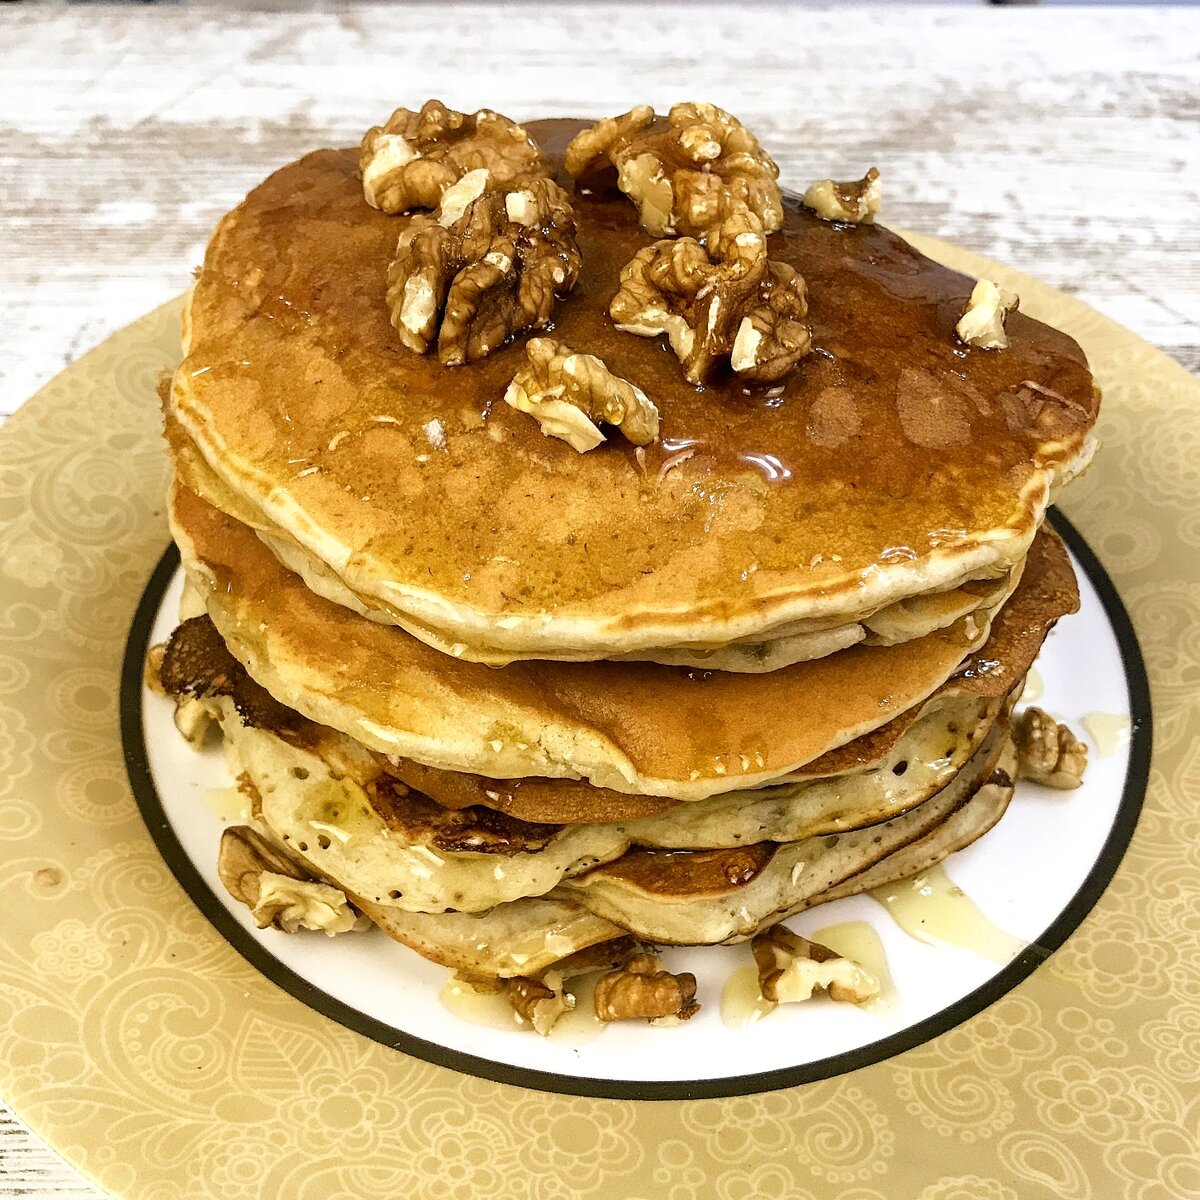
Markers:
1065,142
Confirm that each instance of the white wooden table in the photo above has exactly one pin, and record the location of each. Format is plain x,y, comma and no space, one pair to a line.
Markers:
1063,141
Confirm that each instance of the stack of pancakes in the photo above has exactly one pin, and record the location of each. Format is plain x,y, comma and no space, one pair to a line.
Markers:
518,702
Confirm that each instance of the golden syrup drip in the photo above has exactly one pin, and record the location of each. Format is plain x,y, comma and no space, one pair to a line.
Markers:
1034,687
1110,731
933,909
858,942
230,804
479,1008
741,1002
581,1025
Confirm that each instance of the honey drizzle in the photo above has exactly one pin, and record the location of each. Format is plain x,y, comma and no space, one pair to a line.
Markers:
230,804
741,1001
1110,731
933,909
493,1010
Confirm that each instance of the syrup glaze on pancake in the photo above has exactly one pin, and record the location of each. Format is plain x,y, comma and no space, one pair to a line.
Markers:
916,461
900,621
634,727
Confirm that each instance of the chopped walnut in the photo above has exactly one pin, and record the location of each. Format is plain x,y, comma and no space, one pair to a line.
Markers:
152,671
540,1002
487,265
276,890
983,318
740,305
458,197
1049,753
293,904
791,968
855,202
640,989
567,392
410,161
687,175
193,720
243,856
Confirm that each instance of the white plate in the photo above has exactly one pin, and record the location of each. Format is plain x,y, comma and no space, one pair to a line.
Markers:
1035,876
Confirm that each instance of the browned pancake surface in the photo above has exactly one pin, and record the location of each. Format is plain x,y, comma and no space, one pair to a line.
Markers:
892,442
671,723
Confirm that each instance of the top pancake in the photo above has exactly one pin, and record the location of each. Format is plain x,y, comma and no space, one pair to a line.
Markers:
895,462
900,621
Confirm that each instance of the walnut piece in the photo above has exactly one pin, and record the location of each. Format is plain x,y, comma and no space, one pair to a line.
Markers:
738,305
276,891
1048,752
640,989
292,904
593,153
687,174
243,856
791,969
983,318
152,670
193,720
540,1002
568,392
488,264
857,202
411,160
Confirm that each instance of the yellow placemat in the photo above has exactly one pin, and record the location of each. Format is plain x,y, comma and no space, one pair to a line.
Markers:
158,1061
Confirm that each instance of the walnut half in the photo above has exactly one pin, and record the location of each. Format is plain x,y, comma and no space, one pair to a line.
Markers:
488,264
724,301
276,891
412,159
641,989
568,392
791,969
686,174
1048,752
983,318
856,203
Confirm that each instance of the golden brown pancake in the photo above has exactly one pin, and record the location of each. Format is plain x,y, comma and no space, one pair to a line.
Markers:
894,463
347,820
454,812
897,622
633,727
703,897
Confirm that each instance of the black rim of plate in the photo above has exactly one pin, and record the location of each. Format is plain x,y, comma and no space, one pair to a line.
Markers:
1113,850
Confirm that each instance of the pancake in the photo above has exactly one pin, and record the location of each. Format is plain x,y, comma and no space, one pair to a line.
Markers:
523,938
964,826
568,800
353,824
706,897
894,463
633,727
324,801
800,642
528,937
